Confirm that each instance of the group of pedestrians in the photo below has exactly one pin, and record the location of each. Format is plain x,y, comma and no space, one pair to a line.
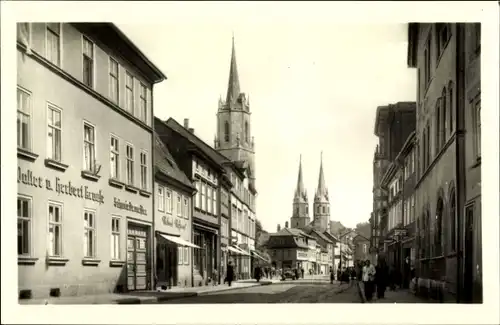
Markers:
377,278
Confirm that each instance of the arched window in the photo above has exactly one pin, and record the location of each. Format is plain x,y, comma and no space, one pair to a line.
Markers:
246,132
324,209
438,228
452,221
450,105
226,131
444,110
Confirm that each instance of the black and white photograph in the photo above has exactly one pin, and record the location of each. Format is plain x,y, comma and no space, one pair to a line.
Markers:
222,156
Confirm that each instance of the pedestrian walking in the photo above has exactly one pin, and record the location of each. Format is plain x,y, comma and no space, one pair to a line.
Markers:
214,277
302,271
331,275
257,273
368,279
381,277
229,273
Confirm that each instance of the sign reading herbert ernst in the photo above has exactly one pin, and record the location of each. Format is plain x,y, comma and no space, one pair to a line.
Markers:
27,178
130,207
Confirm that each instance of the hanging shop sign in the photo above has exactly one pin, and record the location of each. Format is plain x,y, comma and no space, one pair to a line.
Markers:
28,178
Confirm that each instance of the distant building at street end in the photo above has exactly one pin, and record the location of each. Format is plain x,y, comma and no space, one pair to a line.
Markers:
361,248
84,146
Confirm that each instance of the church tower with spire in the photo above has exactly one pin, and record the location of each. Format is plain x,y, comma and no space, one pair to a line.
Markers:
234,138
321,204
300,214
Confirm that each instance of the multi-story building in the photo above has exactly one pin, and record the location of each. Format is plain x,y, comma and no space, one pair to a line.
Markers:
289,248
242,222
234,140
203,167
85,142
393,125
361,248
448,140
173,222
324,259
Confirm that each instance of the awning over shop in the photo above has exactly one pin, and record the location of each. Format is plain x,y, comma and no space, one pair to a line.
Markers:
237,250
179,241
257,255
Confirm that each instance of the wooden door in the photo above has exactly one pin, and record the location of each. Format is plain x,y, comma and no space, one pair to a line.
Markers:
137,259
468,253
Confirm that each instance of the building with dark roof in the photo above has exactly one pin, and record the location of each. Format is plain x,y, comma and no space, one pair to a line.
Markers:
291,248
84,148
203,167
173,221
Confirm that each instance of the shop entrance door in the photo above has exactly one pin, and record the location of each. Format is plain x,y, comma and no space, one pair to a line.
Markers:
137,274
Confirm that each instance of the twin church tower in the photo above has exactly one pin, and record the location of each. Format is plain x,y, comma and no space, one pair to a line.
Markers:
321,206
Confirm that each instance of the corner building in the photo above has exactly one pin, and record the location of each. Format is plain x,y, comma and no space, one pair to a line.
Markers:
85,141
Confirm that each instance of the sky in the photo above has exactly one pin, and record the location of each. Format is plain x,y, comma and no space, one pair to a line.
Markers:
313,88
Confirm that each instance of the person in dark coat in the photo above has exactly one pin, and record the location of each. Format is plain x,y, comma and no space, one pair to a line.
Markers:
257,273
331,274
381,277
229,273
302,271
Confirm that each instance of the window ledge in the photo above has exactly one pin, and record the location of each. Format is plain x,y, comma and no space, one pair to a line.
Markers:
90,175
116,183
51,163
145,193
131,188
26,154
57,261
116,263
90,261
26,260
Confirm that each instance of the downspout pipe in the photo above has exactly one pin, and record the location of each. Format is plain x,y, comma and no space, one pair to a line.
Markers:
460,155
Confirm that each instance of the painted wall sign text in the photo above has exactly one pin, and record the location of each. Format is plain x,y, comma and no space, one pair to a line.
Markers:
130,207
169,221
27,178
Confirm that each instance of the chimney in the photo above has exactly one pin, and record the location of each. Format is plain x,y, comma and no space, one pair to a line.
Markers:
279,227
286,224
186,123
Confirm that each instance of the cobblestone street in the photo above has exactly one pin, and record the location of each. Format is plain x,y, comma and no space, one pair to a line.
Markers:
280,293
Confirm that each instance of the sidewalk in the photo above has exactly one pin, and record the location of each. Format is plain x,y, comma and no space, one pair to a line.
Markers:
141,297
400,296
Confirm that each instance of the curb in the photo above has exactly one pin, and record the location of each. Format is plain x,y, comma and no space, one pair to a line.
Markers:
233,288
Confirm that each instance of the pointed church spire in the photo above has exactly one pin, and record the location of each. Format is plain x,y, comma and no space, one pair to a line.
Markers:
300,192
233,87
322,191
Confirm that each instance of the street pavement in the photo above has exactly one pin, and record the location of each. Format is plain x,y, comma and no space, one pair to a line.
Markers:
306,291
